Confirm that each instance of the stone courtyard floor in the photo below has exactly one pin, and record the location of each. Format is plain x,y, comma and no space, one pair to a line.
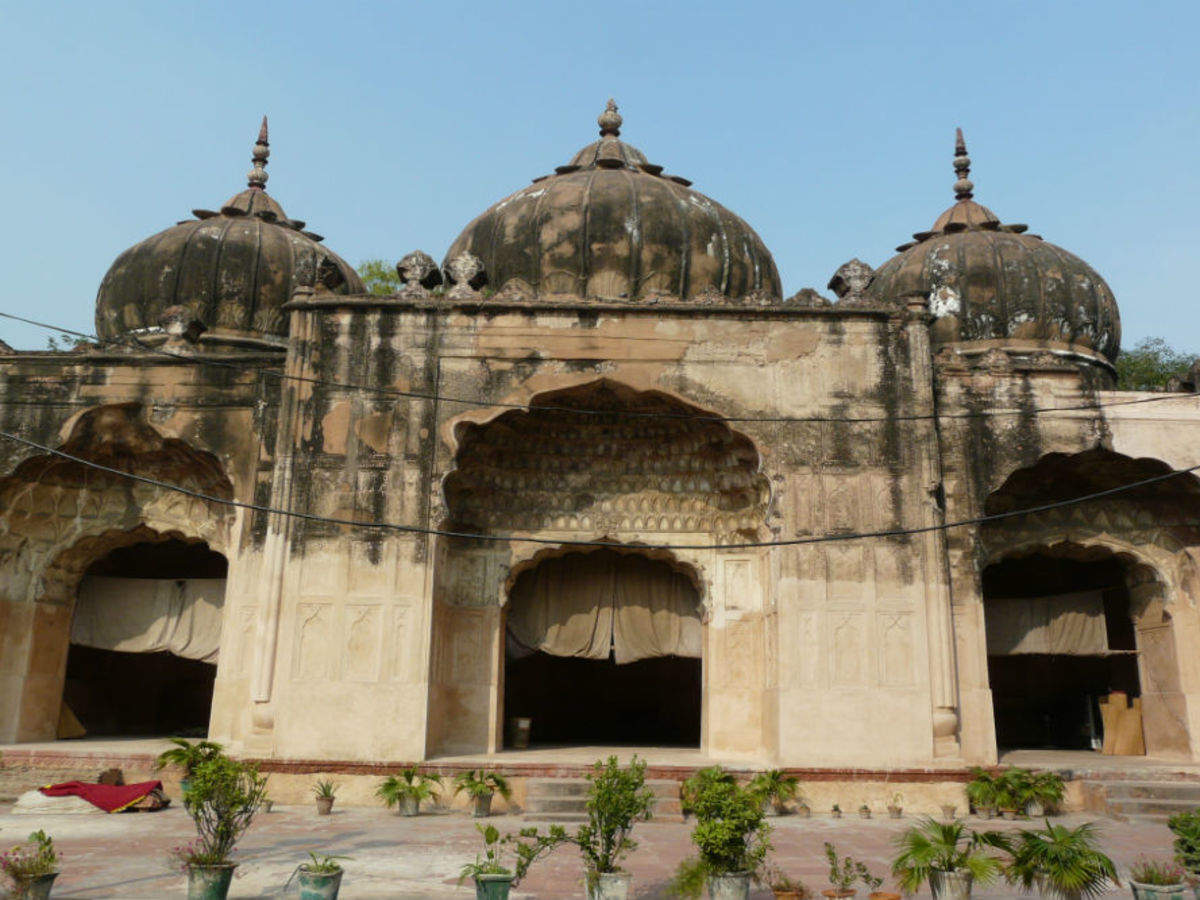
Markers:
125,855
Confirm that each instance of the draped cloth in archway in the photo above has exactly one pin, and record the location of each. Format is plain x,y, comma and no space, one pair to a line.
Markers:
591,604
149,615
1066,624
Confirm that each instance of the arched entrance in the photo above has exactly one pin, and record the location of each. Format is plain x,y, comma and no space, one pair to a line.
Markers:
1080,604
604,647
144,638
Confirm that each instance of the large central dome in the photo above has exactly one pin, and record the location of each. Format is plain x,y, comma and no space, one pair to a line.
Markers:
611,226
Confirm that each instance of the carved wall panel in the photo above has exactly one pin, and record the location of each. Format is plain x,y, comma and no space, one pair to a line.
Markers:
404,660
314,644
848,648
363,630
895,641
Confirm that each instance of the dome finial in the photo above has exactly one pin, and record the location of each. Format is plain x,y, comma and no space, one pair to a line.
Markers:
963,188
257,178
610,120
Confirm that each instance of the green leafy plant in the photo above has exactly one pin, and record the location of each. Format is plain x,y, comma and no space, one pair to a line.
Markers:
701,781
21,865
528,845
774,787
1061,862
410,784
842,872
222,799
321,864
731,835
1149,364
186,755
1046,788
617,799
324,789
933,846
779,881
1159,873
983,790
480,783
870,881
1186,828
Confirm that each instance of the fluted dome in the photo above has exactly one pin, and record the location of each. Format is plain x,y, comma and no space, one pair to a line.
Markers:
992,281
611,226
231,270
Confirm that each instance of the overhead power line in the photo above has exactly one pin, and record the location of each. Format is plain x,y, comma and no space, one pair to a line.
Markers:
134,343
512,538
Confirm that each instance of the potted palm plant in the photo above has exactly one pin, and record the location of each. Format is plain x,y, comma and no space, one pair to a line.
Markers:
617,799
320,878
730,836
185,756
222,799
982,792
481,786
949,856
1044,791
775,789
325,792
1157,880
31,871
1061,862
493,878
408,790
1186,828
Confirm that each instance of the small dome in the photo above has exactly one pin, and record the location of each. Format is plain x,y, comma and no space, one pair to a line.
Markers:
992,281
610,225
232,270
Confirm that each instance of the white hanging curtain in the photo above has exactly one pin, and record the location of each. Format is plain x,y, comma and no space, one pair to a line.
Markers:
1065,624
147,615
590,604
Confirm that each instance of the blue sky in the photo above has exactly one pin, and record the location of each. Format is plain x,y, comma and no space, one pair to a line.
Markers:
828,126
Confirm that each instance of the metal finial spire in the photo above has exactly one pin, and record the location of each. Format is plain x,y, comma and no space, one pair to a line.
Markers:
257,178
610,120
963,187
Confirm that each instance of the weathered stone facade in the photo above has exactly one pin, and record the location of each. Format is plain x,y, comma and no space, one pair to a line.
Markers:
575,373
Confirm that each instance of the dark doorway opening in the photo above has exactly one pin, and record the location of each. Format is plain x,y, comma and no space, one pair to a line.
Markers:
1052,700
113,693
652,701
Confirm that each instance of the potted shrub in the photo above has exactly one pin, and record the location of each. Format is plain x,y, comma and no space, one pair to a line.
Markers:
31,871
493,879
481,786
803,810
947,855
835,811
700,782
864,811
983,791
783,886
775,789
731,838
185,756
872,883
320,878
1186,828
842,874
1014,791
617,798
1157,880
408,790
222,799
896,806
1061,862
1044,791
325,791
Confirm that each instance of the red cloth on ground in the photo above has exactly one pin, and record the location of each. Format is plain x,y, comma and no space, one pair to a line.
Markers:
109,797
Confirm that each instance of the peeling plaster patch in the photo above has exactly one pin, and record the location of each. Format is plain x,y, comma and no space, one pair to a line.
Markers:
944,301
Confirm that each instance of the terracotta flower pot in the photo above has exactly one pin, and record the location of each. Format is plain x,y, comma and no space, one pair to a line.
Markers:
324,806
884,895
786,895
895,812
864,812
834,894
209,882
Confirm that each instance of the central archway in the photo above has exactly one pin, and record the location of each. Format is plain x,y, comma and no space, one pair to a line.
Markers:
604,647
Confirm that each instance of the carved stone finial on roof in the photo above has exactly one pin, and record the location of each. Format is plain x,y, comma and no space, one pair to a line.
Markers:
610,120
808,298
963,187
419,273
465,273
257,178
850,283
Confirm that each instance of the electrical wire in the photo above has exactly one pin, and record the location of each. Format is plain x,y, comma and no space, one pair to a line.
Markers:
134,343
512,538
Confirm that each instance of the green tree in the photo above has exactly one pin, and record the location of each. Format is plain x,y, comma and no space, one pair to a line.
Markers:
379,277
1149,364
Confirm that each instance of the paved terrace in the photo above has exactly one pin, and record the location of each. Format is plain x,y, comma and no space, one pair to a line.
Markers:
125,855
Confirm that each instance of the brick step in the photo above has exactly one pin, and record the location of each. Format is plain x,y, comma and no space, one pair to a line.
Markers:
565,799
1154,790
1142,808
16,780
